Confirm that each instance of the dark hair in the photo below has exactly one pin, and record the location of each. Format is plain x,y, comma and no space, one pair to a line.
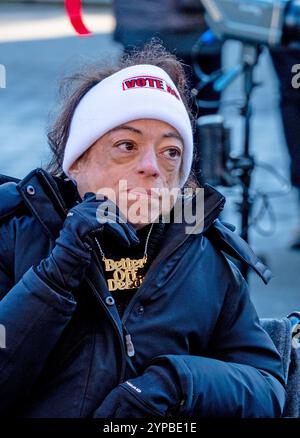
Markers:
74,87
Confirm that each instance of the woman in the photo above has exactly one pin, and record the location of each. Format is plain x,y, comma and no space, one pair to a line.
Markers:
110,312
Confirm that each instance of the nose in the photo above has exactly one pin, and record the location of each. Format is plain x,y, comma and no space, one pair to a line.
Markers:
147,164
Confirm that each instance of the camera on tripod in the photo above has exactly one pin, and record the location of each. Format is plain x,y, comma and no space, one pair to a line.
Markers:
213,141
267,22
255,23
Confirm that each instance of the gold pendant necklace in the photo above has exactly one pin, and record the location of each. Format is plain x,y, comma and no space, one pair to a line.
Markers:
124,271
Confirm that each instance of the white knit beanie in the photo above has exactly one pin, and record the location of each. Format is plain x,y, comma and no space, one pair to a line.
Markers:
136,92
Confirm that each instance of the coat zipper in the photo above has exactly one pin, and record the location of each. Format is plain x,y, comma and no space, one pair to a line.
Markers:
128,342
100,301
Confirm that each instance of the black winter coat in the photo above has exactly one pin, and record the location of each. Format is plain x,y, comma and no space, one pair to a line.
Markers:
65,351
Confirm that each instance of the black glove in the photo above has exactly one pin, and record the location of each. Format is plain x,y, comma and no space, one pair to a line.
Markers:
156,393
66,265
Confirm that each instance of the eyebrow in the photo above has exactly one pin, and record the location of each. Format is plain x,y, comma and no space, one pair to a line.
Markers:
171,134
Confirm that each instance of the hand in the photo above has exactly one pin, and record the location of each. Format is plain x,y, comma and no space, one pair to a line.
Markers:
99,215
66,265
156,393
122,403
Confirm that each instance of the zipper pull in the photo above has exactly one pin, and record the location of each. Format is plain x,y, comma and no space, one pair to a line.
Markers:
129,344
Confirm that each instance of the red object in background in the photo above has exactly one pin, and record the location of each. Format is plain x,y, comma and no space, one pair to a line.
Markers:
73,8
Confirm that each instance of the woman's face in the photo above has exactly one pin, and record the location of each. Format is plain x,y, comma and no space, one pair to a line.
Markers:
128,160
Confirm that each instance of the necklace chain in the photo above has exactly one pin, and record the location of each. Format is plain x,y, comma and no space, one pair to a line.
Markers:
145,250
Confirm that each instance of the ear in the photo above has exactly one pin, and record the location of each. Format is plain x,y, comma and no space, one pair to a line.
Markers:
75,168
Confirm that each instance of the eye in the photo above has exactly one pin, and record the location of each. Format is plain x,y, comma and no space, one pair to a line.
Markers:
125,146
172,153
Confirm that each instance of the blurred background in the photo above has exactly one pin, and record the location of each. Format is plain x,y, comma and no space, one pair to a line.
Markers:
39,46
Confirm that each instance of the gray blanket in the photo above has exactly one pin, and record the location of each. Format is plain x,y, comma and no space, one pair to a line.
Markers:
284,335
